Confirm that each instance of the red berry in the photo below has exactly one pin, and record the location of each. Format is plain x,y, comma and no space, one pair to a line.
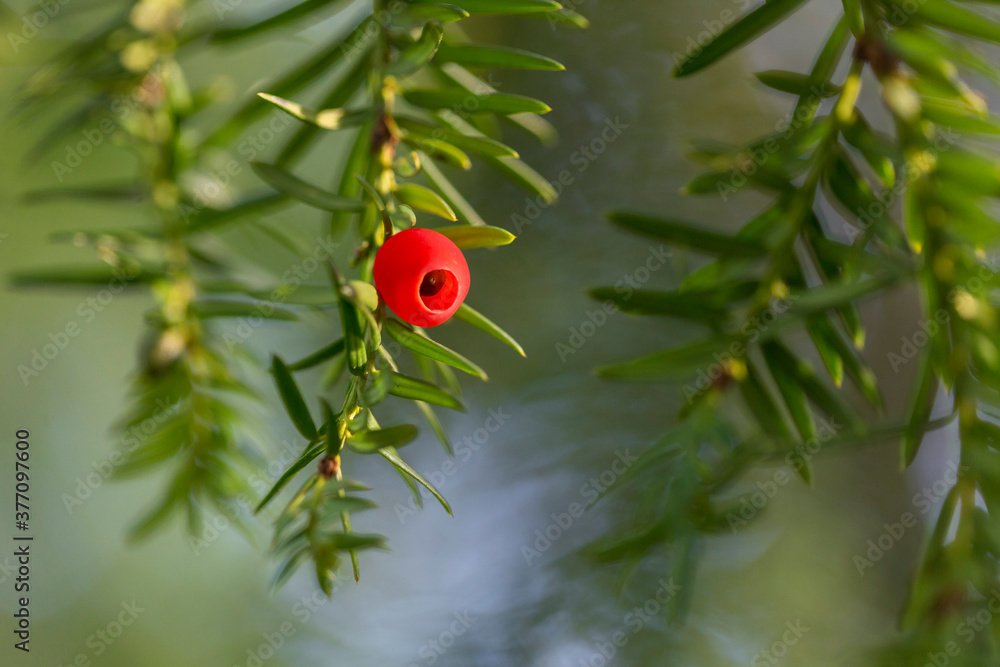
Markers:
422,276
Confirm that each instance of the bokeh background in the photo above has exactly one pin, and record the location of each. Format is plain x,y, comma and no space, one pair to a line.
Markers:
455,591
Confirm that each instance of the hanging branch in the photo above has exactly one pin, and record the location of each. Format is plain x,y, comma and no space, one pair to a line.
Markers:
405,129
185,388
405,82
914,210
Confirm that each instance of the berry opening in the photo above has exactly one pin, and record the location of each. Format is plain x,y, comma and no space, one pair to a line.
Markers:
438,289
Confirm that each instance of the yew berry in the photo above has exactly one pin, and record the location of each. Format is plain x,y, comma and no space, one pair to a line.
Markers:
422,276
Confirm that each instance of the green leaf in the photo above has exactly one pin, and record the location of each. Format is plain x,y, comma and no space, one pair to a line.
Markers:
477,143
927,59
162,444
327,119
771,419
435,425
791,392
524,176
762,405
373,194
208,309
825,339
684,305
685,236
153,519
370,441
959,117
307,457
467,237
424,199
569,17
418,12
745,30
351,541
448,377
468,315
337,504
956,51
666,364
324,60
283,181
314,296
319,356
954,18
79,277
441,150
818,393
531,123
288,568
461,100
336,486
970,171
340,94
418,54
354,337
292,398
919,411
462,208
404,468
290,15
855,17
876,149
202,220
494,56
498,7
858,370
421,344
403,386
123,194
362,294
834,295
349,186
855,194
795,83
